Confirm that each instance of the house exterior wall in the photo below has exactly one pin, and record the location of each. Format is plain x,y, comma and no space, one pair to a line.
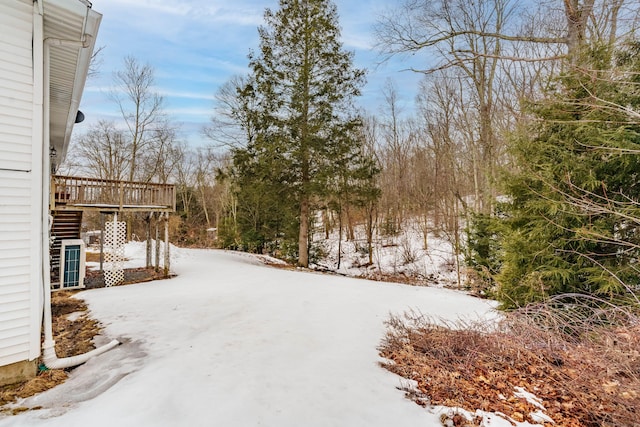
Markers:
21,173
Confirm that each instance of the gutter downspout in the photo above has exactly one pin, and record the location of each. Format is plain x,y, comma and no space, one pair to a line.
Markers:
49,356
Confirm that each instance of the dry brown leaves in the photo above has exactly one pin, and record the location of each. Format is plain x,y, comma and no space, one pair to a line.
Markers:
73,336
587,382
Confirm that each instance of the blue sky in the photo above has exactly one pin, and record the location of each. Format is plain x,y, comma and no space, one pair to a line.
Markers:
196,46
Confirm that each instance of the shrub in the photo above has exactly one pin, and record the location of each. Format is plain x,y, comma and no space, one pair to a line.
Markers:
579,355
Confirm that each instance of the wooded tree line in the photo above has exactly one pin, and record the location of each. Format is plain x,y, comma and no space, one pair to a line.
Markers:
143,145
524,133
547,103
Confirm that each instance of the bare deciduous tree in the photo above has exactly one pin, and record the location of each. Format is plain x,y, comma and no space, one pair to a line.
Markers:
104,151
140,107
232,122
501,52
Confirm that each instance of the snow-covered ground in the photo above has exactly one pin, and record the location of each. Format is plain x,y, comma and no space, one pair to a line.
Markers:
231,342
403,253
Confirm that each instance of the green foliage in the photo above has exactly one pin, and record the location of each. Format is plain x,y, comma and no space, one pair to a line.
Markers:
483,250
572,221
303,146
266,211
228,237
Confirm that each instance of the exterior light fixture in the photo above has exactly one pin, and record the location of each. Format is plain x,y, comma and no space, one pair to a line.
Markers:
52,157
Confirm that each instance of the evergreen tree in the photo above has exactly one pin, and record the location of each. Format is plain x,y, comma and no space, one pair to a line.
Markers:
572,222
300,90
266,216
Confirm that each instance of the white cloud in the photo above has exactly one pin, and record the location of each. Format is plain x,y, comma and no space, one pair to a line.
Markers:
195,46
171,7
190,112
185,95
353,40
236,13
95,89
243,16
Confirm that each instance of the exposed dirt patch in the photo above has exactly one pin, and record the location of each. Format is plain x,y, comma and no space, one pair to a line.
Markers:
73,329
376,276
404,278
95,279
73,332
92,256
42,382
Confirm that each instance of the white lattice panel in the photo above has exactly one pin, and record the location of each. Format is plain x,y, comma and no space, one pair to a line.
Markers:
115,234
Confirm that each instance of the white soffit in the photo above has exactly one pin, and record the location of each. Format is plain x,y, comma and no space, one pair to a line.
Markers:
68,20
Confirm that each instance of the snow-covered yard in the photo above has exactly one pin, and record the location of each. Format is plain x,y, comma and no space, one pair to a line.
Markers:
231,342
401,254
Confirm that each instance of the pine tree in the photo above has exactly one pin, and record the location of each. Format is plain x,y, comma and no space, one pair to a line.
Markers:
300,90
265,215
572,224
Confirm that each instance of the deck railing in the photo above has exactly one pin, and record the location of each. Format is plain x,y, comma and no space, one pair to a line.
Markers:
68,192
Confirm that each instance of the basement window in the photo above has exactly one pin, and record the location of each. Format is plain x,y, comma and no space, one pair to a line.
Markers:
72,264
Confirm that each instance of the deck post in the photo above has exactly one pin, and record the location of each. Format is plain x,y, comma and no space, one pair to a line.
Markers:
157,266
101,241
166,245
121,195
148,232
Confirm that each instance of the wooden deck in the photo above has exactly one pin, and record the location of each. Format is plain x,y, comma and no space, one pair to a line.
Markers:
75,193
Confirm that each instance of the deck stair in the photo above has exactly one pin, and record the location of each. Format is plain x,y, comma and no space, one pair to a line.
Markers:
66,225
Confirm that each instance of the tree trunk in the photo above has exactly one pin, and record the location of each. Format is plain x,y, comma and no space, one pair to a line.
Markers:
456,231
425,230
339,239
370,233
327,225
577,16
351,235
303,237
204,204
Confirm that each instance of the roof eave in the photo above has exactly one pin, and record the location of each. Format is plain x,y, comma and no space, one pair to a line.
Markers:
82,71
68,21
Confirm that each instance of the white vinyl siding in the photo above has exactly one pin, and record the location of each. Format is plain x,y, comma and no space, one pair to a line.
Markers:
15,265
18,200
16,84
